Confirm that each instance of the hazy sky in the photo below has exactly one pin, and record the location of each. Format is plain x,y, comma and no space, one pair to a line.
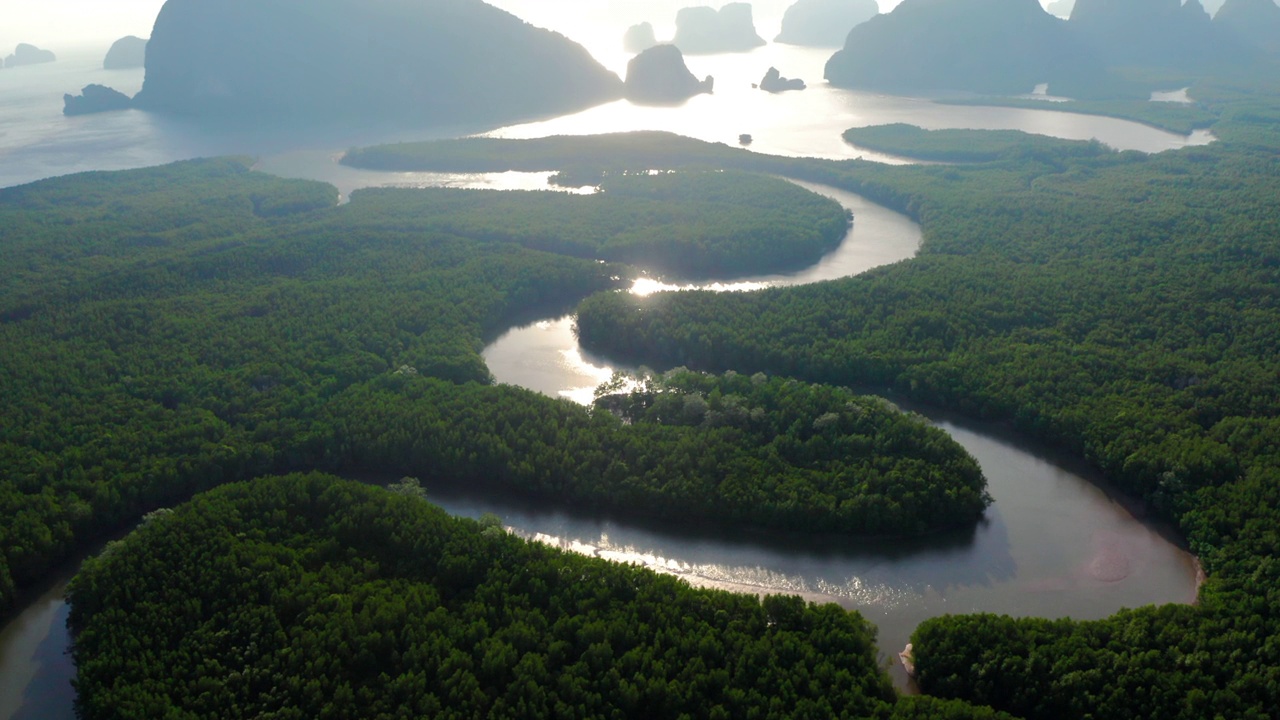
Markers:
61,23
51,23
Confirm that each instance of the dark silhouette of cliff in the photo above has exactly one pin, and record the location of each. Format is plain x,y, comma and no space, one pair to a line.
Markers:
773,82
659,76
95,99
985,46
1253,23
425,60
1150,33
127,52
1106,49
824,23
26,54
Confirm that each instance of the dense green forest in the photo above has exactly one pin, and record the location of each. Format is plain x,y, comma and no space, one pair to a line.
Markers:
834,460
1122,306
765,456
617,151
963,146
312,597
688,224
1119,305
1176,117
171,329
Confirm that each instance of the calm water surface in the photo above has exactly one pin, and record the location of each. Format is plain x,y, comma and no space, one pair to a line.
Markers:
35,669
1054,544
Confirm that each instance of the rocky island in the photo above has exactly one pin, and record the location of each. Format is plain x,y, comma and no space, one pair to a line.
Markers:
26,54
95,99
443,61
706,31
659,76
126,53
985,46
773,82
824,23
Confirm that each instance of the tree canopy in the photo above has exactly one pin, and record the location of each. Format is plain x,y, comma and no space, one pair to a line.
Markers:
312,597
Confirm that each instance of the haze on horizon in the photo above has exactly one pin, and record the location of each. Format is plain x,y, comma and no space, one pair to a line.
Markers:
82,24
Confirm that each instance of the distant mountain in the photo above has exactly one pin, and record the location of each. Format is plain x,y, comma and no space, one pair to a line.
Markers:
773,82
639,38
985,46
1152,33
127,52
26,54
95,99
704,30
1106,49
824,23
429,60
659,75
1256,23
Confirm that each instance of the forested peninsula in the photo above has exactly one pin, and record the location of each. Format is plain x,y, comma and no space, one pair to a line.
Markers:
312,597
964,146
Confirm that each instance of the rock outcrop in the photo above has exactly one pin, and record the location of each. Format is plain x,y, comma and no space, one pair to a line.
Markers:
659,76
126,53
639,38
774,82
1253,23
1153,33
26,54
95,99
985,46
705,31
341,60
824,23
1009,46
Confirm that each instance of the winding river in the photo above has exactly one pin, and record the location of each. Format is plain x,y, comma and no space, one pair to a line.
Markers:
1053,544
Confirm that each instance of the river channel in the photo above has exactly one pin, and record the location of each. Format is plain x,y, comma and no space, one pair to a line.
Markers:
1053,544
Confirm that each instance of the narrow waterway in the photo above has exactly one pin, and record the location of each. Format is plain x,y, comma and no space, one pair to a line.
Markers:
35,667
1054,544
